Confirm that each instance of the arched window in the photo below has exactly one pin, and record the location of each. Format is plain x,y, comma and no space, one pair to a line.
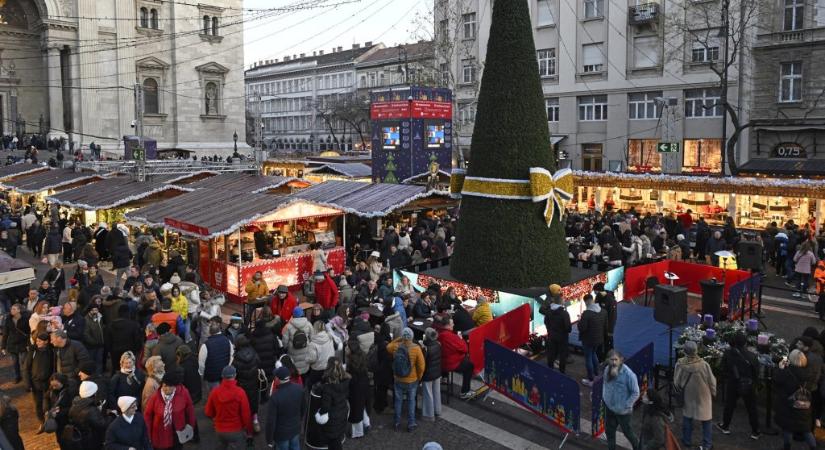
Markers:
150,96
214,26
144,18
211,98
153,19
206,24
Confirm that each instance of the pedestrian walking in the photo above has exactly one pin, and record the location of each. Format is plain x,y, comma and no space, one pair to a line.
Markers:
228,407
332,415
128,430
557,322
246,363
431,380
86,429
215,354
793,384
694,378
408,368
39,368
170,414
740,369
620,390
359,390
655,420
15,339
128,381
284,411
592,326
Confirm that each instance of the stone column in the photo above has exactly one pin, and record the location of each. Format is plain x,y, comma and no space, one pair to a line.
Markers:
56,128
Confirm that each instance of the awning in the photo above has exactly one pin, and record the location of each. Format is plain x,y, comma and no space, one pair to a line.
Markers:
784,167
109,193
363,199
20,169
556,138
244,183
349,170
791,128
48,179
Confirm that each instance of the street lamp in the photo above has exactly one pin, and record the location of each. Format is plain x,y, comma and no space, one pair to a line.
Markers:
723,97
235,138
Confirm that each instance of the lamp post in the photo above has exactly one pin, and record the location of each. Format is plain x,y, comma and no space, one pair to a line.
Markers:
235,139
723,96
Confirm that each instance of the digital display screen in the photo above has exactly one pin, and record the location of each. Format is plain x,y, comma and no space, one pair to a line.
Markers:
391,137
435,135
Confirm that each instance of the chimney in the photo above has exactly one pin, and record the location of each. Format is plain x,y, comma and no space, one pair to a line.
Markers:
354,46
333,49
286,58
320,52
314,53
294,56
275,60
368,44
254,65
261,62
303,54
339,49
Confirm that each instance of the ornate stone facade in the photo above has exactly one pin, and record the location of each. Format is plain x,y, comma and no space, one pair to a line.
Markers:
68,68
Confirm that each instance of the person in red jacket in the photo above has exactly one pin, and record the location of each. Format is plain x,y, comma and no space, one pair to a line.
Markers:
228,407
168,411
455,355
282,304
326,291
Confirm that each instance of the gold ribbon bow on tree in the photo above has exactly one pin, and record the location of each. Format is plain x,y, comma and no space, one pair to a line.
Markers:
542,186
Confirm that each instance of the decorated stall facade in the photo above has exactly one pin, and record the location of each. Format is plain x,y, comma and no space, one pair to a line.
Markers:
34,187
752,202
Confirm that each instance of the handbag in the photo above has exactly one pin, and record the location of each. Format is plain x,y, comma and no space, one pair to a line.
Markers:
801,398
50,425
680,390
263,384
186,434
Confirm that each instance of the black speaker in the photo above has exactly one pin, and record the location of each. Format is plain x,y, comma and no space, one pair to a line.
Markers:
712,297
749,255
670,306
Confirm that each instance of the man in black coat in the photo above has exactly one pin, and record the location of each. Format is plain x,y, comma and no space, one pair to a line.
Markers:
73,322
607,301
15,338
70,354
39,368
100,241
123,335
591,333
557,322
284,412
739,369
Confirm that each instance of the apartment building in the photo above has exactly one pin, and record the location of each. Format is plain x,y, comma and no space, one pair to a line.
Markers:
619,77
788,103
293,99
397,67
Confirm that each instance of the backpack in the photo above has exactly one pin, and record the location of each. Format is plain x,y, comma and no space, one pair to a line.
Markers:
801,398
300,340
372,358
401,365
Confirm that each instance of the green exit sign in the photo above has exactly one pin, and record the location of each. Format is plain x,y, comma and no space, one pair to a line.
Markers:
139,154
668,147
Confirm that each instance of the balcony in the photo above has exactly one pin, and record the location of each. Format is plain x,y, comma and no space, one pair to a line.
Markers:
645,13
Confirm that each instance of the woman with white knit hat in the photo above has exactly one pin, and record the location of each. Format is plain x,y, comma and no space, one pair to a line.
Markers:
128,430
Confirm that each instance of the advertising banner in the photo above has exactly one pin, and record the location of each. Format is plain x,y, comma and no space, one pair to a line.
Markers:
541,390
509,330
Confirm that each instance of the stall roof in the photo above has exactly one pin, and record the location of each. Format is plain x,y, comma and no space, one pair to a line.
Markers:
247,183
717,184
16,170
350,170
364,199
48,179
784,167
189,213
110,193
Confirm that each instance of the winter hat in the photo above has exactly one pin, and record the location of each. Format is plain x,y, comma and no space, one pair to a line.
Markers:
125,402
87,389
163,328
282,374
432,446
105,291
174,279
282,289
680,237
236,317
297,312
554,289
88,367
375,254
229,372
407,333
165,288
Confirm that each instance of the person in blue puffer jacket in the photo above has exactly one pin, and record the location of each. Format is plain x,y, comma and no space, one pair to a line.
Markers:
620,391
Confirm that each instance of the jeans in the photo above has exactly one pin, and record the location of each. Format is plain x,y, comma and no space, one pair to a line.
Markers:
687,432
292,444
809,439
235,440
557,350
431,402
400,390
731,397
613,422
591,361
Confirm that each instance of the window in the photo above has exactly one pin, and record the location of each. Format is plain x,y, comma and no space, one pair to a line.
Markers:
592,58
150,96
467,113
646,52
593,108
702,103
552,106
207,23
144,18
469,21
702,156
642,105
547,62
793,14
703,53
362,82
592,157
790,82
444,29
444,68
468,71
643,156
544,13
153,19
214,26
593,9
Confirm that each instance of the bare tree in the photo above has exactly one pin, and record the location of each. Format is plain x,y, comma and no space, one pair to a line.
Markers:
718,36
347,109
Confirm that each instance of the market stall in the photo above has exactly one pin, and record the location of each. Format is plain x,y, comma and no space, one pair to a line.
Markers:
752,202
247,234
35,187
339,171
245,183
19,170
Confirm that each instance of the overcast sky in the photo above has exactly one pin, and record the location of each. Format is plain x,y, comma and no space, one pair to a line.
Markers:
389,21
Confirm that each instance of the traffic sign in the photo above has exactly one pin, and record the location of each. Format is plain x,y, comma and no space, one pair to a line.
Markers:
668,147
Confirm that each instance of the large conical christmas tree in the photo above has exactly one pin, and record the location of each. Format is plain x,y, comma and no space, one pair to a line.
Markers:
503,242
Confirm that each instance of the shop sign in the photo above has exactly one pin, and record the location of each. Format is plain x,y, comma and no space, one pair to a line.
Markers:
789,150
188,227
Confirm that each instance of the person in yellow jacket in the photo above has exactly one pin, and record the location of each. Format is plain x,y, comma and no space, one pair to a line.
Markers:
482,314
180,304
406,382
256,287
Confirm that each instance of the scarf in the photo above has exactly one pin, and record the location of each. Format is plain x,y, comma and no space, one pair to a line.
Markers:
167,409
128,419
